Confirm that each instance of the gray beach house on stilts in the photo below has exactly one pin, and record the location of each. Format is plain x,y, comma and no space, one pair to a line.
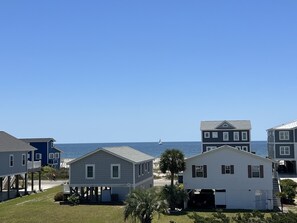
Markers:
109,174
14,166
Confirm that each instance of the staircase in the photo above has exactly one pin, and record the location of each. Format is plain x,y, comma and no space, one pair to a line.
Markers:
276,189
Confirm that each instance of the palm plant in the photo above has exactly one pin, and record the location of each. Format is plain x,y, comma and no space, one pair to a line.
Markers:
172,160
142,204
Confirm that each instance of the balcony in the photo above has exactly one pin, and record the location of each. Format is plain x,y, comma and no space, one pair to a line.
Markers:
34,166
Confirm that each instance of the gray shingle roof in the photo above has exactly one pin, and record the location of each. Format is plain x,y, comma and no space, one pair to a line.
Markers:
123,152
28,140
237,124
9,143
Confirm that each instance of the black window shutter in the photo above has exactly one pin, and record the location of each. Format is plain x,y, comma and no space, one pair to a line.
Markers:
193,171
232,169
223,169
261,171
249,171
205,171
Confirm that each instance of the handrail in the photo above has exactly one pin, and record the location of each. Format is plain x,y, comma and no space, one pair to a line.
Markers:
34,164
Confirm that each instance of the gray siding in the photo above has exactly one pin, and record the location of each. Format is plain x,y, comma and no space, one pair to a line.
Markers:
5,169
270,151
295,131
146,174
277,151
102,161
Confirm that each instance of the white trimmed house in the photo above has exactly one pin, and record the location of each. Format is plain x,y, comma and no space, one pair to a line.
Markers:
229,178
110,173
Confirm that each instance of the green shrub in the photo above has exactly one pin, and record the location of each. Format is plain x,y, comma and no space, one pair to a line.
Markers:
73,199
288,188
59,196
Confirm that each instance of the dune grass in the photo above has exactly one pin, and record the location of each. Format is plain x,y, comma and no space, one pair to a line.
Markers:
41,207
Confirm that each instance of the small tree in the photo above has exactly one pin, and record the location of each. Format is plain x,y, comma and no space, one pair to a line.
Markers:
288,188
175,195
172,160
142,204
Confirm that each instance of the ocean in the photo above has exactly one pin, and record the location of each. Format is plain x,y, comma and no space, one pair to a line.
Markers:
72,151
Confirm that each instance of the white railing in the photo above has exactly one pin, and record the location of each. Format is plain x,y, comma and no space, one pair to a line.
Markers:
34,164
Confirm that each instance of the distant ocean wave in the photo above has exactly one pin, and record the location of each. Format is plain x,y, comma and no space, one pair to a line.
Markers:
75,150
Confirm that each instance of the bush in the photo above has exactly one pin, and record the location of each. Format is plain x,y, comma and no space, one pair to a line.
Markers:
175,196
59,196
74,199
288,188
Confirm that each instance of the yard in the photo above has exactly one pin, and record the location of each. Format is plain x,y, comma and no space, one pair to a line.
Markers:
42,208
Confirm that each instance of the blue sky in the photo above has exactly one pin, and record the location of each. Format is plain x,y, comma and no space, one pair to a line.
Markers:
133,71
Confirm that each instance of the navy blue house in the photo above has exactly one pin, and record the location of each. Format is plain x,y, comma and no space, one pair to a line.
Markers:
46,151
282,146
234,133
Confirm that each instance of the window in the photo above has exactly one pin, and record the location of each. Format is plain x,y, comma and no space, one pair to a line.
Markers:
236,136
148,167
38,156
206,135
90,171
23,159
225,136
115,171
255,171
214,135
199,171
284,135
238,147
227,169
139,169
245,148
51,155
284,150
11,160
57,155
244,136
142,169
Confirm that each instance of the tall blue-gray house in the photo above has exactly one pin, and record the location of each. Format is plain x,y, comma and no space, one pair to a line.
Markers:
46,151
14,165
110,173
282,146
236,133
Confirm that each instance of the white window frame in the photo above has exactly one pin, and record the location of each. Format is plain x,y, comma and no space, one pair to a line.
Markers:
199,171
57,155
24,157
119,171
244,148
11,160
206,135
214,135
227,169
208,148
284,135
236,136
225,136
51,155
38,156
238,147
244,136
86,171
139,169
284,150
255,170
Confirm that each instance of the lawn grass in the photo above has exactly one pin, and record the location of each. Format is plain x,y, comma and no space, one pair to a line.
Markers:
41,207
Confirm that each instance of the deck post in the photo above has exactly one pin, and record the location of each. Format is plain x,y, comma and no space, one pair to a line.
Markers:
8,187
39,179
96,194
32,181
17,184
26,183
1,183
100,194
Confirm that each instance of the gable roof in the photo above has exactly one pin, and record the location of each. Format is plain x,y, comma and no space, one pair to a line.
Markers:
124,152
289,125
9,143
234,124
28,140
233,149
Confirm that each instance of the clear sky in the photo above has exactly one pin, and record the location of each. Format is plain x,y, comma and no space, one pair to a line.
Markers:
137,71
